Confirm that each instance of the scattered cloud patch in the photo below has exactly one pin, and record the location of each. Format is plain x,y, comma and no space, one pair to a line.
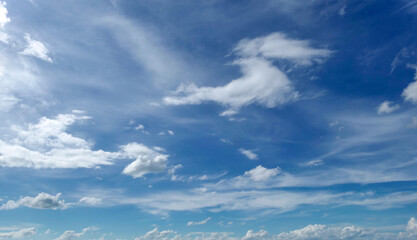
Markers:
147,160
90,201
71,235
140,127
312,163
261,174
41,201
387,107
279,46
36,49
199,223
156,235
261,81
46,144
3,14
309,232
22,233
248,153
410,92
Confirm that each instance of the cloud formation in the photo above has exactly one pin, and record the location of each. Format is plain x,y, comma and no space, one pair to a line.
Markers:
387,107
261,82
46,144
36,49
249,154
71,235
41,201
3,14
261,174
190,223
147,160
410,92
310,232
22,233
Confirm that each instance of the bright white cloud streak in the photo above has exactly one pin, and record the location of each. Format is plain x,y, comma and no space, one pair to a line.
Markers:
261,82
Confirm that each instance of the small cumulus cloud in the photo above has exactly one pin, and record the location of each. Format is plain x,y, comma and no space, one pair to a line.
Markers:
261,173
387,107
249,154
19,234
36,49
190,223
41,201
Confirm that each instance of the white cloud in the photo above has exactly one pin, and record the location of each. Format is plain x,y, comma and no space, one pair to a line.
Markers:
41,201
140,127
36,49
156,235
310,232
190,223
261,174
324,232
46,144
147,160
170,132
410,92
387,107
22,233
4,38
412,225
262,82
70,235
249,154
91,201
3,14
279,46
312,163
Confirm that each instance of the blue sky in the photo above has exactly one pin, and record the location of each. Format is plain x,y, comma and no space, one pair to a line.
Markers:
208,119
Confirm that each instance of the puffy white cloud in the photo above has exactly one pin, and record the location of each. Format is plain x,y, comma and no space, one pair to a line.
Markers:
36,49
279,46
41,201
310,232
323,232
3,14
22,233
412,226
248,153
190,223
46,144
70,235
147,160
261,81
410,92
387,107
140,127
251,235
261,174
156,235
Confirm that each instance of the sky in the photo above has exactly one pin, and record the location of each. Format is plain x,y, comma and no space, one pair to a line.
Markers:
208,120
